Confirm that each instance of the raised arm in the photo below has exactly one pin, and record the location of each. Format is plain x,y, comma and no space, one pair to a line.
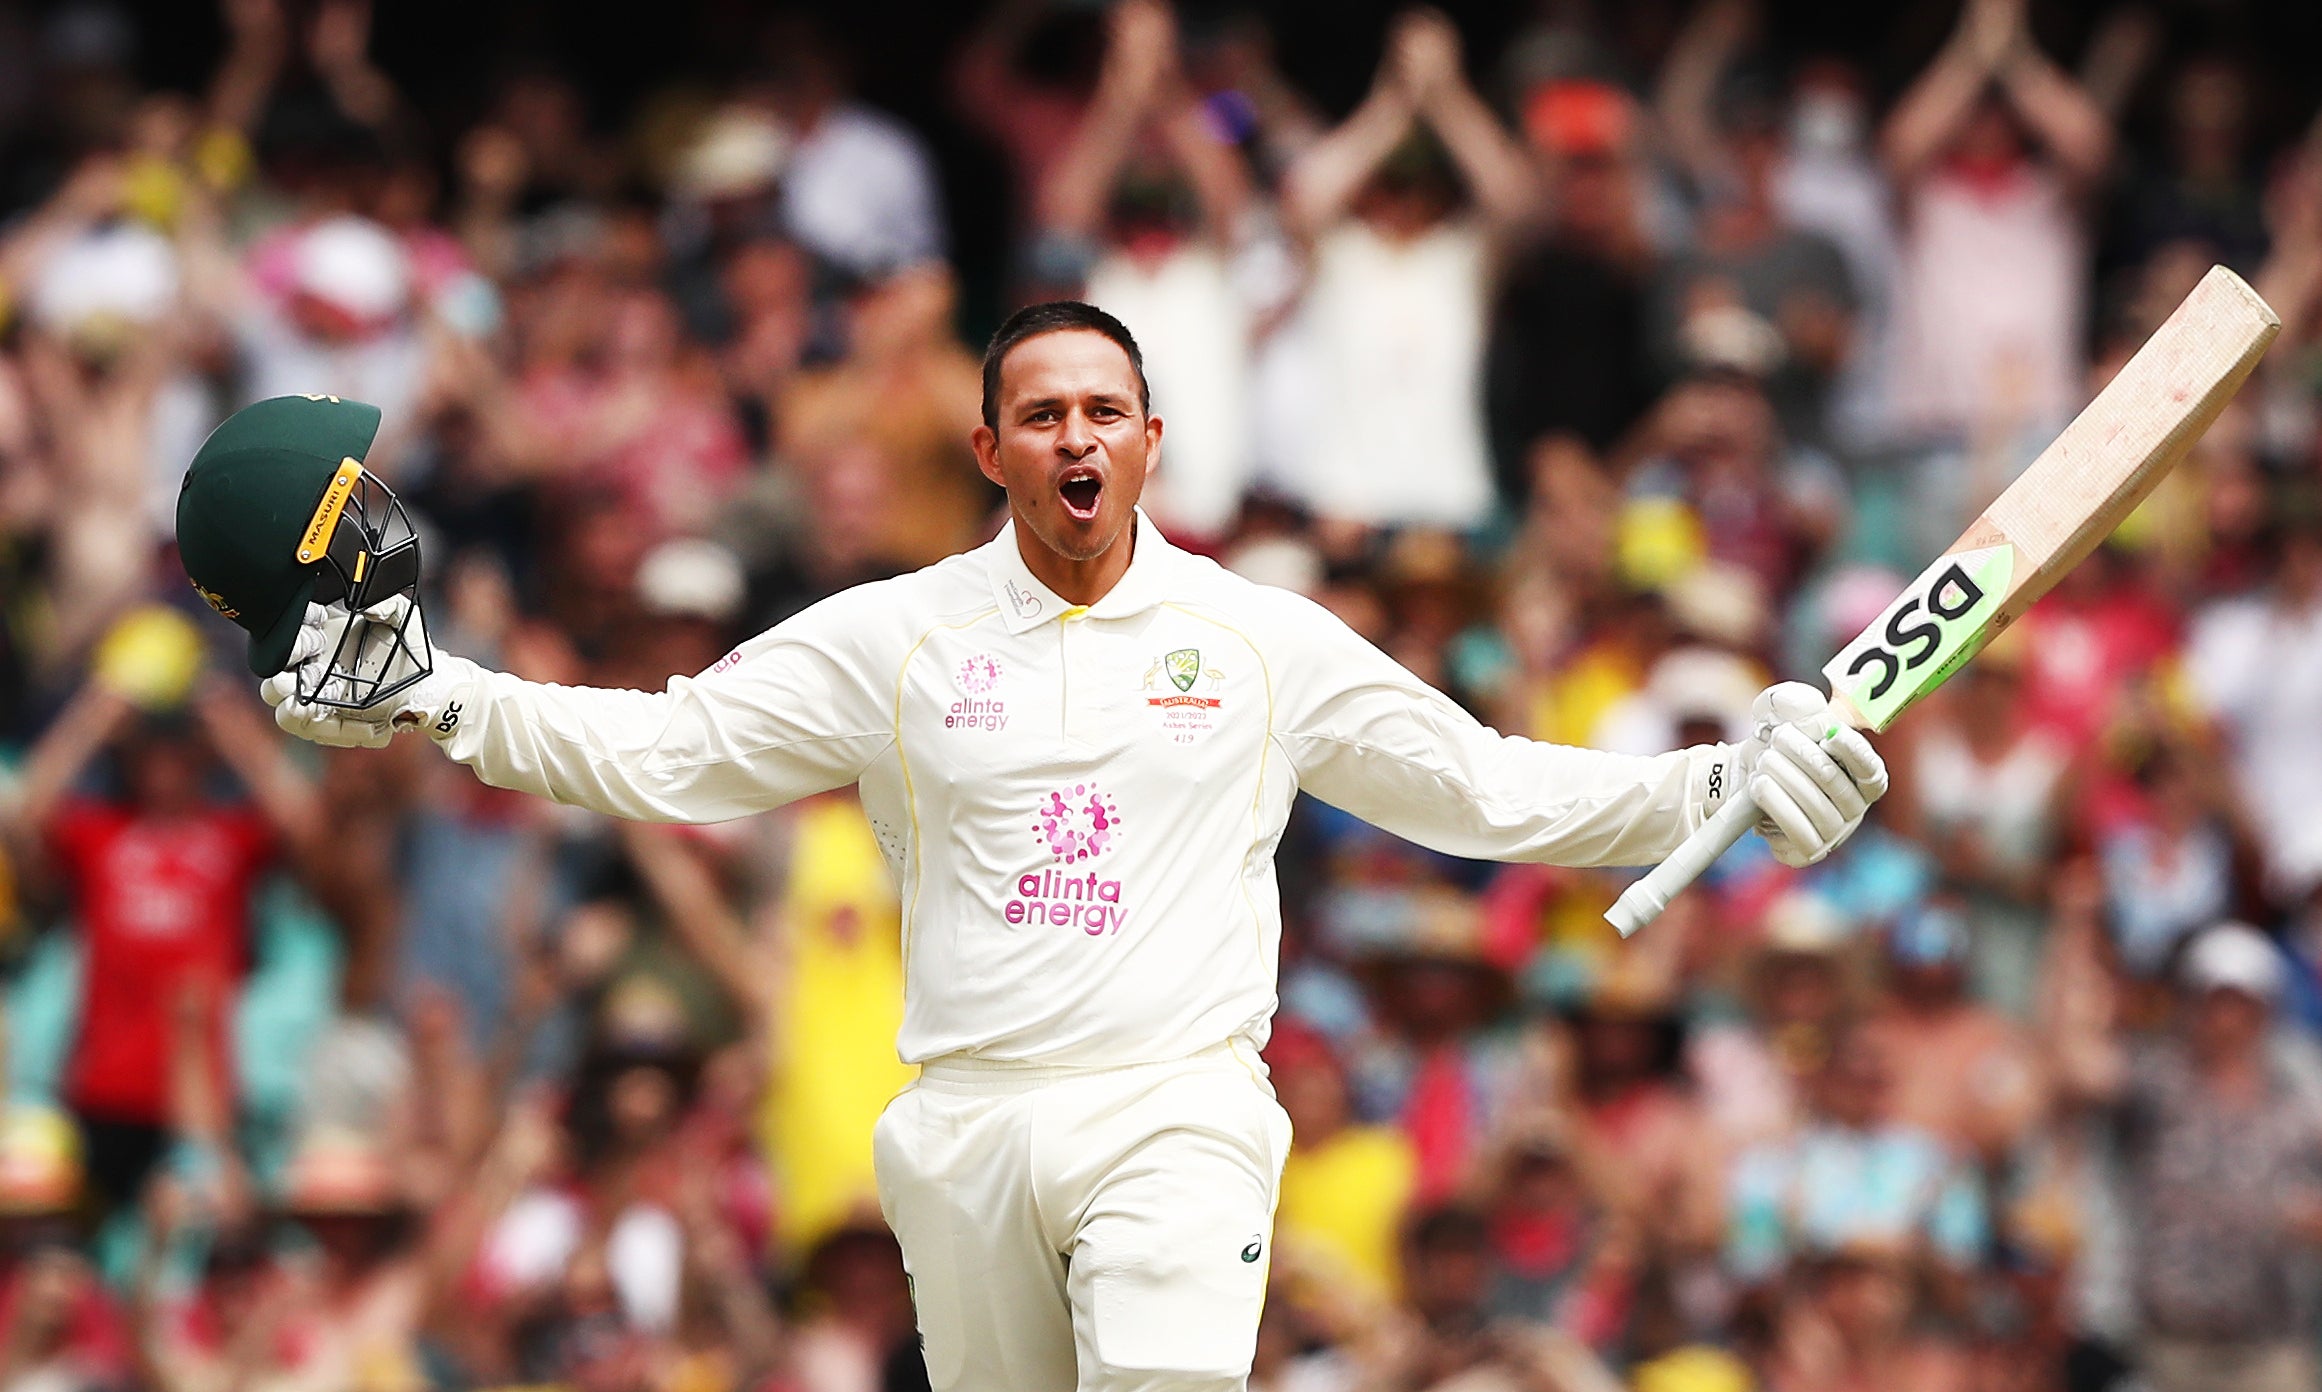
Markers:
2071,127
1318,189
1499,174
1936,107
693,904
93,716
1210,163
283,792
1686,96
258,41
1140,65
339,45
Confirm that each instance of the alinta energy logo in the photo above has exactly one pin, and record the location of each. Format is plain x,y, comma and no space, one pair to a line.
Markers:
978,709
1074,825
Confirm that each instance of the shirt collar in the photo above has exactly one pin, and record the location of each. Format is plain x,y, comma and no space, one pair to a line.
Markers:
1026,604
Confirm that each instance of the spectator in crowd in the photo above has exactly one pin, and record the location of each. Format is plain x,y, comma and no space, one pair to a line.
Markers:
1568,352
1392,321
857,187
160,879
2182,859
2253,662
1157,205
1854,1175
1854,1320
60,1325
2220,1133
1989,803
893,411
1962,1072
1808,165
2202,188
1714,445
819,980
1347,1185
1996,153
1755,288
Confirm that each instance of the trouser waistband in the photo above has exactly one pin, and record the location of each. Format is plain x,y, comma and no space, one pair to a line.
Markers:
963,1073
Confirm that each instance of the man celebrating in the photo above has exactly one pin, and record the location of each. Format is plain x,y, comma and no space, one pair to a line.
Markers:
1078,746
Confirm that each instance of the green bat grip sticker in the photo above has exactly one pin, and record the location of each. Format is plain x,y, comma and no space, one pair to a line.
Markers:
1939,621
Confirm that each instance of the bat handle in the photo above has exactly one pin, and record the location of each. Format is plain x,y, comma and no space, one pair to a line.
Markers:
1643,901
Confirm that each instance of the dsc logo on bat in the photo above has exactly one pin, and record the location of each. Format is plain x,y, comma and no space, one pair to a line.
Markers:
1938,622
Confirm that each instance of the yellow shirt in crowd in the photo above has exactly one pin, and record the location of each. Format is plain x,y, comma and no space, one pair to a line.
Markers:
833,1036
1343,1202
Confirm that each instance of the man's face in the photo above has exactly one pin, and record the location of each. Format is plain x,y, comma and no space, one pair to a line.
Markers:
2228,1024
1073,443
1854,1085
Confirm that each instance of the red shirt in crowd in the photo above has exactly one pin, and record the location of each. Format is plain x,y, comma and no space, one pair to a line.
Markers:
161,903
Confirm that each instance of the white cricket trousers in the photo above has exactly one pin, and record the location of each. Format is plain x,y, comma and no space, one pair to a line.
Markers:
1105,1230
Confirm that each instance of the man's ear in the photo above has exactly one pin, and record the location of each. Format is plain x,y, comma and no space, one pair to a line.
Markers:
1152,444
986,443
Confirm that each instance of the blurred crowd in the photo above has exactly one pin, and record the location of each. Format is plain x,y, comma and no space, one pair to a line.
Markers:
1600,378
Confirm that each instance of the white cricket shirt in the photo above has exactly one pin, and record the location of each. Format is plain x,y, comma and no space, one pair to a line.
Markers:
1080,804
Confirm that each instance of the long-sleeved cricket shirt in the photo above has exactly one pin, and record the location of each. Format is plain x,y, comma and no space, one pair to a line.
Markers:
1080,804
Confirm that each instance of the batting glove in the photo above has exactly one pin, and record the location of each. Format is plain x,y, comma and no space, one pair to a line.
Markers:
371,727
1812,777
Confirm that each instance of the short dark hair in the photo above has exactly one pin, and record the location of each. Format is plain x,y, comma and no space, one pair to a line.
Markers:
1056,316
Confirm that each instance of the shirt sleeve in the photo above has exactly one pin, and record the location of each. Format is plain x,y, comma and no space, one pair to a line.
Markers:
1368,737
802,708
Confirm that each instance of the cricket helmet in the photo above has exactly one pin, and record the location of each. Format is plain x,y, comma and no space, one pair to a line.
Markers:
276,512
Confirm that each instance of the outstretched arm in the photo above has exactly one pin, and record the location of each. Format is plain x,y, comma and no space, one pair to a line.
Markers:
1368,737
802,708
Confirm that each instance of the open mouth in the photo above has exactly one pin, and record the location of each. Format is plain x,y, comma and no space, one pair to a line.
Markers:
1080,490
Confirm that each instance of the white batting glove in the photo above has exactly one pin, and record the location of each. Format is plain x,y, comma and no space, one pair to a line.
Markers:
425,703
1812,777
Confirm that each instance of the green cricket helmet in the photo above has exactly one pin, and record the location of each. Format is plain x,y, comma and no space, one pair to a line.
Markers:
276,512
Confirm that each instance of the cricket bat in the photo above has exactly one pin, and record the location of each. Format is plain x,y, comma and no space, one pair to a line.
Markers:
2045,523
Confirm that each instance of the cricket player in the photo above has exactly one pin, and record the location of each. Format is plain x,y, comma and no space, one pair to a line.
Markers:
1078,745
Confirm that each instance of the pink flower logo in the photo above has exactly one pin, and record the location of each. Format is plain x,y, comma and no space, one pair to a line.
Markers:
1079,824
979,674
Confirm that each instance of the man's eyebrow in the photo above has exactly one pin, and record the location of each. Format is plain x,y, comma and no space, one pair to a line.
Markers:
1099,397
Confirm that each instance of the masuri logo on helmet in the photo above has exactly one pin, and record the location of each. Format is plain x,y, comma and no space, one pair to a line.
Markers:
277,511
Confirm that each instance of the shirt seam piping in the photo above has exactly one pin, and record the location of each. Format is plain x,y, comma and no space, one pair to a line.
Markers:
1258,796
910,791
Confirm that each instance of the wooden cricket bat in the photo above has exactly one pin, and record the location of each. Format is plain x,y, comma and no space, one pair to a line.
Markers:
2047,521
